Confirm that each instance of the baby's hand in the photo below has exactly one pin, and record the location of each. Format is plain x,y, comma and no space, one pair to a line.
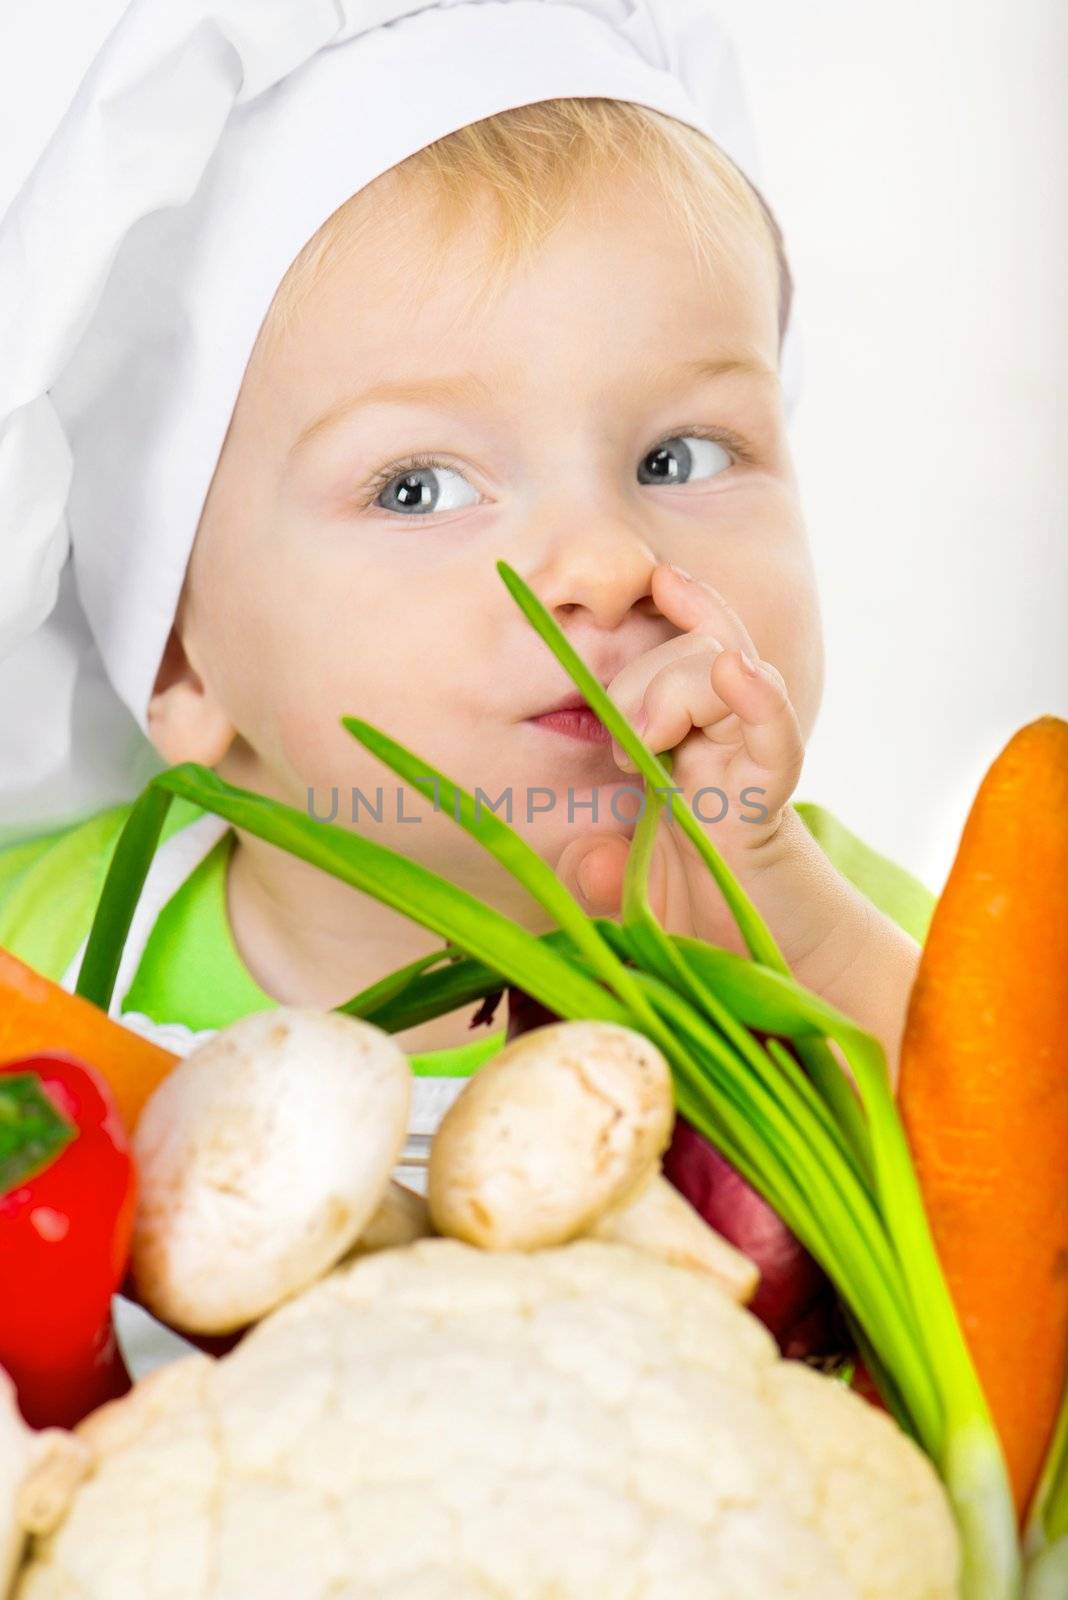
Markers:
734,729
722,712
737,752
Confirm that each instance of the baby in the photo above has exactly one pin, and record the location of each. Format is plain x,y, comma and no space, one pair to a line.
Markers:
551,337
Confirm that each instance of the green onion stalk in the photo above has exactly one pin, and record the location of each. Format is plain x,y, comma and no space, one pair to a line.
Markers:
1046,1532
825,1148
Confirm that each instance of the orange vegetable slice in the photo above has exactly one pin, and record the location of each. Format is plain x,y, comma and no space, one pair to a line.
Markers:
36,1014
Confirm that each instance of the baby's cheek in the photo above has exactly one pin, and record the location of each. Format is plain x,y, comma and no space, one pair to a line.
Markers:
798,645
279,691
316,682
777,601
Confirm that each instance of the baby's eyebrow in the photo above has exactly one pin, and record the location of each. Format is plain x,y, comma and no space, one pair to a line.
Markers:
708,367
463,388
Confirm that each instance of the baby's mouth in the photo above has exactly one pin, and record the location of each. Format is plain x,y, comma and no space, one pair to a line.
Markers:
573,718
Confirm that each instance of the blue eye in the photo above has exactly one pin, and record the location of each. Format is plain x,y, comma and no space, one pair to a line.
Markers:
677,461
422,485
413,494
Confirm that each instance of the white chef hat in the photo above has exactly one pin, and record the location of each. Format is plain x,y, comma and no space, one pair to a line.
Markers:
207,142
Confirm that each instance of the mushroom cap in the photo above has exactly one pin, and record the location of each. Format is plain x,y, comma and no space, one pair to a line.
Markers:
560,1126
261,1158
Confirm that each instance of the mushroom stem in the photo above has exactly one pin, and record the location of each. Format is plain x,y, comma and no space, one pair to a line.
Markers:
659,1221
401,1218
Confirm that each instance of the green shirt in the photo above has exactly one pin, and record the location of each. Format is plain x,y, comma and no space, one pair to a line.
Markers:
191,971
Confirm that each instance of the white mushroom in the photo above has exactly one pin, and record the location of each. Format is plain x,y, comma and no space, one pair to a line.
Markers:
560,1135
262,1158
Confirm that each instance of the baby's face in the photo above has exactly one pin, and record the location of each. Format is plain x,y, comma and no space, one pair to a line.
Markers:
333,573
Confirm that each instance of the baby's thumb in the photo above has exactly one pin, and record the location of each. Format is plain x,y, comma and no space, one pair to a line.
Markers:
592,868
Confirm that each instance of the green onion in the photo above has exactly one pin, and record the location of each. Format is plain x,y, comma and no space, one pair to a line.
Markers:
1046,1534
825,1148
388,876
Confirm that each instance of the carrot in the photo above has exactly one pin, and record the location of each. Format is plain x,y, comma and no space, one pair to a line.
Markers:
37,1015
984,1089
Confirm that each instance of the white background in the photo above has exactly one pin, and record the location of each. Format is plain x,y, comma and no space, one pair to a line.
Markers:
915,154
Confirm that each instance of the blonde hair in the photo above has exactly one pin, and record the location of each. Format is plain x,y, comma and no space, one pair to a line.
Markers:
535,161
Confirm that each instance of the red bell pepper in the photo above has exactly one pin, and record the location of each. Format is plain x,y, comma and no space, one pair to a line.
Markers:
67,1196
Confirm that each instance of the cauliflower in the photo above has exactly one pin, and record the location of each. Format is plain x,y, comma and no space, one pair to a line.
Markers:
440,1423
39,1469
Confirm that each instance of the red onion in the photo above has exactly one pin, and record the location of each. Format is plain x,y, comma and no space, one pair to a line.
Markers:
795,1300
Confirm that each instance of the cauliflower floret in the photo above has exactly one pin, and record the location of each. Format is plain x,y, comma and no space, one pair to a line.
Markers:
437,1422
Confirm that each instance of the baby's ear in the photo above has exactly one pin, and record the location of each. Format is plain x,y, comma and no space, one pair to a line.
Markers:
185,720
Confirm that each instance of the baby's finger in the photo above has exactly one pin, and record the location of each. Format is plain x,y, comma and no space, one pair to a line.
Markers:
679,697
591,867
767,721
701,612
694,605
